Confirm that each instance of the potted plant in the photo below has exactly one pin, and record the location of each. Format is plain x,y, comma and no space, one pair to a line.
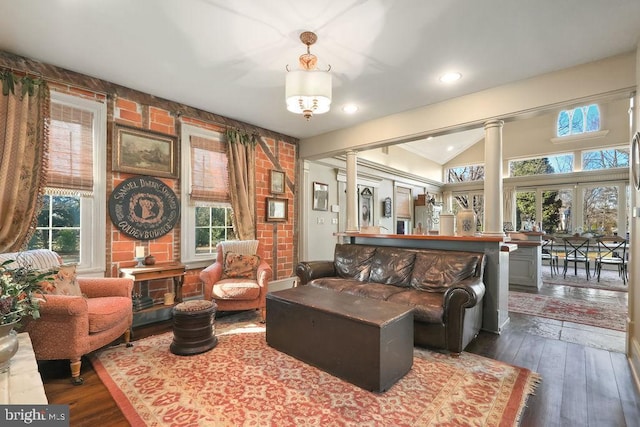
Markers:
20,296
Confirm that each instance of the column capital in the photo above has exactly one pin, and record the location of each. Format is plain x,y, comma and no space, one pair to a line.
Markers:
493,123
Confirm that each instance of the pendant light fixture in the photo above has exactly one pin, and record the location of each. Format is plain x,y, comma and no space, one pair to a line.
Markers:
308,89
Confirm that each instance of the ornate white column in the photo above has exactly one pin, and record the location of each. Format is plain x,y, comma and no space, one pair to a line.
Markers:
352,192
493,178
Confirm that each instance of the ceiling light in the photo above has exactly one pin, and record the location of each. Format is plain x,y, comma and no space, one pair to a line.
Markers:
350,108
450,77
308,90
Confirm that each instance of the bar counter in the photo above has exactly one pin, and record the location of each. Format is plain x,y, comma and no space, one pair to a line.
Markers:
496,274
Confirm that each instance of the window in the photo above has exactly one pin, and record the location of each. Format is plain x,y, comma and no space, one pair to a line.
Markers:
556,210
600,210
561,163
72,221
207,216
579,120
213,225
403,210
58,227
605,159
466,173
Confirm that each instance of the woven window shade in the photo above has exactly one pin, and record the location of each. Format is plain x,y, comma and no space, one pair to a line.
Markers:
70,149
403,202
209,170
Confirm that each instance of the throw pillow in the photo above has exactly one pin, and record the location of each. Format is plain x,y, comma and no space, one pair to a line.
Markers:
64,282
238,266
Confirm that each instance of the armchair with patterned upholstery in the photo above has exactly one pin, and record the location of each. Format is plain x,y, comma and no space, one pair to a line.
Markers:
71,326
237,280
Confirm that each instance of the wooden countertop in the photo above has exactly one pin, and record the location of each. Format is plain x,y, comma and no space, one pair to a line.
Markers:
426,237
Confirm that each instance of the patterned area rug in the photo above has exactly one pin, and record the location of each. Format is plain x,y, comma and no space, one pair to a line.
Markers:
600,314
243,381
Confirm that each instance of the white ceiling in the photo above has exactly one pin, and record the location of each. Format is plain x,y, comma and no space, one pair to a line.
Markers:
229,57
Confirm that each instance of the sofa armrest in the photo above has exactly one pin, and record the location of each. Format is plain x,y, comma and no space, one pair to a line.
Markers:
62,305
264,274
467,293
211,274
96,287
309,270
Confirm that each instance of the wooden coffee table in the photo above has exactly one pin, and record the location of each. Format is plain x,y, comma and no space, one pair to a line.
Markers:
364,341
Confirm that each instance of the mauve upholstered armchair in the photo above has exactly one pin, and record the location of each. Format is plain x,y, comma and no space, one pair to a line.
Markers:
234,294
70,327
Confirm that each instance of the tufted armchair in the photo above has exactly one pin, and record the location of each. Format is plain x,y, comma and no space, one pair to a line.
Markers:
72,326
231,294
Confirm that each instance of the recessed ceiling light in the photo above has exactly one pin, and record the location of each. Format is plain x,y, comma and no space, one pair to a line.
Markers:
429,138
449,148
450,77
350,108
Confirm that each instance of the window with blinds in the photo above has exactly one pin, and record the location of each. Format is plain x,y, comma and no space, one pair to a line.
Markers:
71,137
209,170
403,203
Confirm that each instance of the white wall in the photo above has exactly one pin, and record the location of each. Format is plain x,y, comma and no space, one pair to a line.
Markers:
320,226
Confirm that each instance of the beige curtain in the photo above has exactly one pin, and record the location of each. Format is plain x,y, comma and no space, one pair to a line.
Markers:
24,105
242,188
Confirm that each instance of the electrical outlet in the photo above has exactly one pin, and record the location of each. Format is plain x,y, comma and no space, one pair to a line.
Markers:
320,220
334,221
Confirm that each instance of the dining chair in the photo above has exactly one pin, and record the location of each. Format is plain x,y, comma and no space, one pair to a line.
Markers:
576,251
548,254
612,251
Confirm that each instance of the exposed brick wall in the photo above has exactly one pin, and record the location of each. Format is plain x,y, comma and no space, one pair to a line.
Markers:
133,108
278,239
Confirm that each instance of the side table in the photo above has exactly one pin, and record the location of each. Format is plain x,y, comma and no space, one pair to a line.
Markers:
22,383
165,270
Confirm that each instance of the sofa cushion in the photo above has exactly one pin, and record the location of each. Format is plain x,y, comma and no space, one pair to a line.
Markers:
239,266
335,283
353,261
436,271
427,306
355,287
236,289
392,266
105,312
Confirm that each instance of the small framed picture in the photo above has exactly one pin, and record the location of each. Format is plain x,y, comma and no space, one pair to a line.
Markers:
277,182
320,196
276,209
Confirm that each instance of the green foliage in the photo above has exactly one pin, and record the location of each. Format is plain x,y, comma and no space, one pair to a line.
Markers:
239,136
10,80
66,242
20,291
539,166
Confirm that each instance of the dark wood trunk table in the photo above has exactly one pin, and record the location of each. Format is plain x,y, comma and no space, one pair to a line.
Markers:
364,341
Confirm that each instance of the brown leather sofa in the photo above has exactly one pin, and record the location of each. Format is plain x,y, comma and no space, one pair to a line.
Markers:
444,287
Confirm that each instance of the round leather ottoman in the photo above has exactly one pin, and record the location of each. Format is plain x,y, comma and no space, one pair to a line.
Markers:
193,328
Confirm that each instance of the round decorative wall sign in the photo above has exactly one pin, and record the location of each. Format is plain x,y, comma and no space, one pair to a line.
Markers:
144,208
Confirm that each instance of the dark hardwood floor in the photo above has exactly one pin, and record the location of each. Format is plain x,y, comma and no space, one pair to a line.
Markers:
581,385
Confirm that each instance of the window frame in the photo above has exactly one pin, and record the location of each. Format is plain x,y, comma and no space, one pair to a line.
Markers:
188,253
93,211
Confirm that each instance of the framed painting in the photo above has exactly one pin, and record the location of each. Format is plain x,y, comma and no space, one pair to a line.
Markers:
320,196
277,182
276,209
145,152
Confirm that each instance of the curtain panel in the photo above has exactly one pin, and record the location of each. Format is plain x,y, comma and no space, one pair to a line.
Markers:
24,105
242,189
